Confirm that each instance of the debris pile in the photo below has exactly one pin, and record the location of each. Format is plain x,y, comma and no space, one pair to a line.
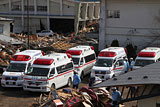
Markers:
85,97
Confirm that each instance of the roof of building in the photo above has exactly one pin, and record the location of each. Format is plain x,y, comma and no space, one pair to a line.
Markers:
149,74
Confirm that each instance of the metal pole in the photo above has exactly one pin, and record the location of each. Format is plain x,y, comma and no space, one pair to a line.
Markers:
28,22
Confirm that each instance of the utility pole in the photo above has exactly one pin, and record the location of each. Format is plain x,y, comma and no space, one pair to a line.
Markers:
28,22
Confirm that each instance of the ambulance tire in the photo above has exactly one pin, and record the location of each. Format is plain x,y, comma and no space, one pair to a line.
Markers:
69,82
82,75
113,76
53,86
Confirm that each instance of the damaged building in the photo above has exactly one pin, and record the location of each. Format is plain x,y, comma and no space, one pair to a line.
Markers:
61,16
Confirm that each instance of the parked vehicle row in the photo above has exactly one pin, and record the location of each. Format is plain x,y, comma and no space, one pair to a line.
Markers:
34,71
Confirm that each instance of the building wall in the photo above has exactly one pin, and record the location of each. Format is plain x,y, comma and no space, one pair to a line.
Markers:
5,27
138,22
17,10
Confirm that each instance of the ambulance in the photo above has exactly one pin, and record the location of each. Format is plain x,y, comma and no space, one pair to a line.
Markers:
83,58
110,63
54,70
20,62
147,56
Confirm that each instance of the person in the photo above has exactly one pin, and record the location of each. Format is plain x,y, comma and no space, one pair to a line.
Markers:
126,65
76,80
131,64
116,97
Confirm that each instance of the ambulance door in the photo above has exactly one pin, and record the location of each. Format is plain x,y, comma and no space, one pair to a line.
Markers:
59,77
52,79
119,67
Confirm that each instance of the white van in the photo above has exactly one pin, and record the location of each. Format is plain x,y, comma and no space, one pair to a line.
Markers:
83,58
53,70
20,62
110,63
147,56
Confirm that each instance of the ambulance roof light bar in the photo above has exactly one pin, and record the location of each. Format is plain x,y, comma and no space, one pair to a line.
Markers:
43,61
107,54
74,52
147,54
21,58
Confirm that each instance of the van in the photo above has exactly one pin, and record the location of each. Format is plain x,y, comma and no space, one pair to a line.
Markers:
54,70
20,62
110,63
83,58
147,56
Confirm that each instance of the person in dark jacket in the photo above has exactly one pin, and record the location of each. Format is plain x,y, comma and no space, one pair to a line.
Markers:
76,80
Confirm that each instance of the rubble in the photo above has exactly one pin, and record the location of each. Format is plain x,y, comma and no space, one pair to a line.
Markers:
85,97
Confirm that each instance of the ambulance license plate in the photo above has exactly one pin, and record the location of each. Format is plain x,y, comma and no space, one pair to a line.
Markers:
10,83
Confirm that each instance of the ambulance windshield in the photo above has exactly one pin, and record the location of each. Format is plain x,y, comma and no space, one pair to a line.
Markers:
16,67
104,62
33,71
140,62
75,60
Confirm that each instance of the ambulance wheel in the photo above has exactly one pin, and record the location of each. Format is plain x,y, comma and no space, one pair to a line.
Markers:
53,86
69,82
113,76
82,75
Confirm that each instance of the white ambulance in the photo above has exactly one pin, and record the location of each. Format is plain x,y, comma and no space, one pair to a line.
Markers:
54,70
147,56
110,63
83,58
20,62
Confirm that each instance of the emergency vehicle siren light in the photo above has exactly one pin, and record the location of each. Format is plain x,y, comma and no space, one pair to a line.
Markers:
20,58
107,54
43,61
147,54
74,52
69,55
42,53
92,47
125,50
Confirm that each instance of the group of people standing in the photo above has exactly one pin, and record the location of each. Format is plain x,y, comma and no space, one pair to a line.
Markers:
128,66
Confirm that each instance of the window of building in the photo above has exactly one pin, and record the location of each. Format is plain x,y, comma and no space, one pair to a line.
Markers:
30,8
16,8
1,28
113,13
42,8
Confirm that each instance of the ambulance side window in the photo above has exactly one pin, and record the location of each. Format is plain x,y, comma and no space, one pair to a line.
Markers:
52,72
69,66
59,69
121,63
81,62
90,58
29,64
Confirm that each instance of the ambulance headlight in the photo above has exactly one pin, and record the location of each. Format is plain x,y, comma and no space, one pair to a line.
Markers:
3,77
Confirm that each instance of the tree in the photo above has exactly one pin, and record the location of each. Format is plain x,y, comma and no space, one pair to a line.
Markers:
115,43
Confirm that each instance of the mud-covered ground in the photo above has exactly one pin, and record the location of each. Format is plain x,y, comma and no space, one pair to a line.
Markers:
16,97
